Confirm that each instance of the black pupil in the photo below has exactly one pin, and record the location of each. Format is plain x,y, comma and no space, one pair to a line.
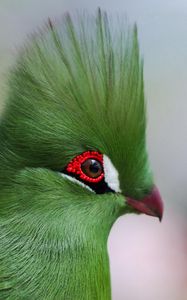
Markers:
92,168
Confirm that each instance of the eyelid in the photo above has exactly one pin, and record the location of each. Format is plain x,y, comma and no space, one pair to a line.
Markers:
74,166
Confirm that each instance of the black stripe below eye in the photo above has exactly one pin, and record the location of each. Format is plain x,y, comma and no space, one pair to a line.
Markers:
100,187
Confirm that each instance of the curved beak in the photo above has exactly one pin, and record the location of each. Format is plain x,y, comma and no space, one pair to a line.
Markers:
150,205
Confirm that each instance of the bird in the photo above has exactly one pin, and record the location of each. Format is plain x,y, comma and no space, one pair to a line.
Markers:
73,157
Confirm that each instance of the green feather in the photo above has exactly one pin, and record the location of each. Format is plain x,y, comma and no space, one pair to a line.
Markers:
77,86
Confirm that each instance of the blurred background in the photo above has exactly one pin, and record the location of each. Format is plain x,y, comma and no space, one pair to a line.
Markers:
148,258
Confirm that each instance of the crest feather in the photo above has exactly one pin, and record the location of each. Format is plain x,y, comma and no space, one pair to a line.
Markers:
78,85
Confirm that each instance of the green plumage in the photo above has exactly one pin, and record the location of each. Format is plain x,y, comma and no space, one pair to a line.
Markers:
77,86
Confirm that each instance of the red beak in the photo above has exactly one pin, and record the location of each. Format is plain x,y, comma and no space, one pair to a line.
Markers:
150,205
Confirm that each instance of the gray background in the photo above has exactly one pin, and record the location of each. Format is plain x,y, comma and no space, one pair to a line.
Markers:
148,259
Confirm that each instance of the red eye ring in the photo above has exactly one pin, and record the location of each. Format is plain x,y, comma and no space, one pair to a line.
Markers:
74,166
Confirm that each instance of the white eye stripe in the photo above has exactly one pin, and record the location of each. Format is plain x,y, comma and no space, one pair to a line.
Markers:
111,174
77,182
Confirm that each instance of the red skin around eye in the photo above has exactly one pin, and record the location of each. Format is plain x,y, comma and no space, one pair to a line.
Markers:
75,165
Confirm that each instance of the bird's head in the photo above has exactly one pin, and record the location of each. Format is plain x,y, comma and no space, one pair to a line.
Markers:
73,132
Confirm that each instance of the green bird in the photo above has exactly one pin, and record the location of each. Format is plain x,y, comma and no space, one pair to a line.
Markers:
73,158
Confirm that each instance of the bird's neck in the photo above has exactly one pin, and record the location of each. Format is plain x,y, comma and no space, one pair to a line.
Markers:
59,263
58,266
78,269
87,273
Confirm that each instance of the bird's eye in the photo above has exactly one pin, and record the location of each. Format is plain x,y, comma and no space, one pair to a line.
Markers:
87,167
92,168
